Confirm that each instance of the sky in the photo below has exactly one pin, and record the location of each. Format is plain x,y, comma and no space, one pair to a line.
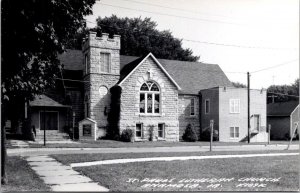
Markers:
256,36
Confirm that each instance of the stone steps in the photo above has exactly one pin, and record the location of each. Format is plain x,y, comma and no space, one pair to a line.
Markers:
52,136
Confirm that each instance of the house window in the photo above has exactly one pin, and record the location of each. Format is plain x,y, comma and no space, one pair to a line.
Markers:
234,132
139,130
161,130
207,106
234,105
86,63
149,98
105,62
192,110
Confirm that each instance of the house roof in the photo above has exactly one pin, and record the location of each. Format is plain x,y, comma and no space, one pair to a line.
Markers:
72,59
281,108
45,101
190,76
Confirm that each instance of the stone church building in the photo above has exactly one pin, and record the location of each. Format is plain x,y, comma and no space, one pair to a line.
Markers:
157,94
159,97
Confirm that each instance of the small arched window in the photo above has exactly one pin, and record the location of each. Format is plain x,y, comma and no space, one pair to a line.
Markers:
149,98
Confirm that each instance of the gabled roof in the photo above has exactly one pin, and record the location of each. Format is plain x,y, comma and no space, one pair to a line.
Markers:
281,108
190,76
44,101
131,67
195,76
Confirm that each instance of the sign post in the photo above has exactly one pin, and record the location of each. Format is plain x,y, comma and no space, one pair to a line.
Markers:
292,136
211,134
44,125
73,125
269,133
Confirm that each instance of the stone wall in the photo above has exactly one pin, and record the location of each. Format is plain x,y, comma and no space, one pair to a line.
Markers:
168,115
184,116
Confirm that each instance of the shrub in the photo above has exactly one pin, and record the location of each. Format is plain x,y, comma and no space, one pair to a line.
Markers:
190,134
127,135
205,135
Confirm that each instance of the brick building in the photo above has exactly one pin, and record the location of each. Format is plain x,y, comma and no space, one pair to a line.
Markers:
159,97
227,106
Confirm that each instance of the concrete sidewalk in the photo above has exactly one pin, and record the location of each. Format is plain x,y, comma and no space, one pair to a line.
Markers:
61,177
180,158
48,151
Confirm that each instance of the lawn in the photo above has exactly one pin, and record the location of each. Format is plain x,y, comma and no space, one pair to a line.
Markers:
137,176
77,158
120,144
21,177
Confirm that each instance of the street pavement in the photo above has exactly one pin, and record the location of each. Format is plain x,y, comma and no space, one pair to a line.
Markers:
49,151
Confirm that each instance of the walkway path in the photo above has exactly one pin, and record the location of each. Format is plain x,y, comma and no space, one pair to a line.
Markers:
61,177
181,158
48,151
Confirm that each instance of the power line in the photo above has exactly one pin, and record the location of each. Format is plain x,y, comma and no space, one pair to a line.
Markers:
275,66
201,42
171,15
215,88
238,46
183,10
178,9
72,80
283,94
178,16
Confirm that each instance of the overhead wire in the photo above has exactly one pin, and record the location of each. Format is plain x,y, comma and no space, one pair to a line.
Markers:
172,15
214,88
180,16
275,66
184,10
178,9
197,41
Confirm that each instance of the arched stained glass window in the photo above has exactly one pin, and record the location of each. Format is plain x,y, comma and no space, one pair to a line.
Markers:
144,87
149,98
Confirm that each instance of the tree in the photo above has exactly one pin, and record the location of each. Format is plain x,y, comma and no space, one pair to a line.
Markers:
140,36
292,90
238,85
34,32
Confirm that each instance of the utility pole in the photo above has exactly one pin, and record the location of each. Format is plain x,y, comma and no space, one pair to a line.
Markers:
248,93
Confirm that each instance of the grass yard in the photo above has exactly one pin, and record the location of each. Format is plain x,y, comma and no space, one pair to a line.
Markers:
120,144
21,177
76,158
116,177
